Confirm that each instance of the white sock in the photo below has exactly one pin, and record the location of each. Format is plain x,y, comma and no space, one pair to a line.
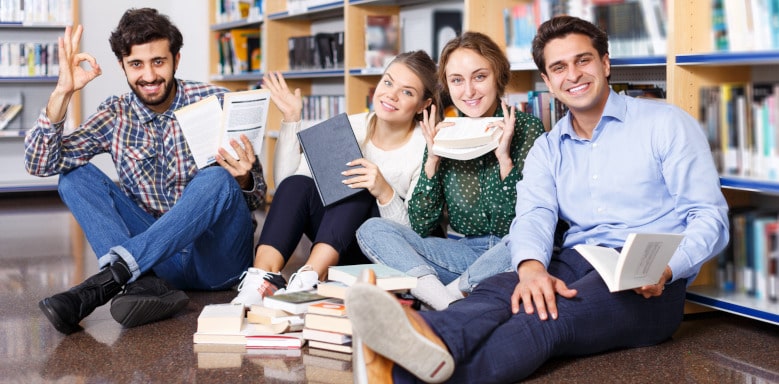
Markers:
454,289
432,292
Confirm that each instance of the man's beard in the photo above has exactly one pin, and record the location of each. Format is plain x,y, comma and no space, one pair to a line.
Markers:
157,100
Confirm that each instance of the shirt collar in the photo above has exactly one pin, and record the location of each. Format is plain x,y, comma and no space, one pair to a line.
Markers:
146,115
616,109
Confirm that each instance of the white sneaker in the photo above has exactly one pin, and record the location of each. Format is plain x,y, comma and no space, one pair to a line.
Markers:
248,289
305,279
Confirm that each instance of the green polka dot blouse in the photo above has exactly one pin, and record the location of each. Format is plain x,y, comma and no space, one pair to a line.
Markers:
470,194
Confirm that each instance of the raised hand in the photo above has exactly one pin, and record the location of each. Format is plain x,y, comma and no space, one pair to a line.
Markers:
430,128
290,104
507,125
72,76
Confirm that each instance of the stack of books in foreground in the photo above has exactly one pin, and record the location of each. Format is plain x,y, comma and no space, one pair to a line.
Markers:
225,332
326,325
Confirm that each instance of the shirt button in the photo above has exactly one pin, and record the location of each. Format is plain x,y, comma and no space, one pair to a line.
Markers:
600,209
595,177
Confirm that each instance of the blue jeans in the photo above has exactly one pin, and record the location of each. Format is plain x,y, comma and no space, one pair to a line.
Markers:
474,258
203,243
489,344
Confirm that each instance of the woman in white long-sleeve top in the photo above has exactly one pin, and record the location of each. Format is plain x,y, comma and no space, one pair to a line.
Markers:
392,144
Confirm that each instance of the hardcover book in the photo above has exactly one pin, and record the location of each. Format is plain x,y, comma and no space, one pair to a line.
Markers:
387,278
220,318
293,302
328,146
641,262
337,324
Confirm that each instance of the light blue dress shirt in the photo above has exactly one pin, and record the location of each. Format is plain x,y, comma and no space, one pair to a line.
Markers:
648,168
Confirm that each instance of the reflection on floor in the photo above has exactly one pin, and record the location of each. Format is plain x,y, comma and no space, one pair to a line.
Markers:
41,253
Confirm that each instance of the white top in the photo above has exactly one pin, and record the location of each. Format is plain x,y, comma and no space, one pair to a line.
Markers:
401,167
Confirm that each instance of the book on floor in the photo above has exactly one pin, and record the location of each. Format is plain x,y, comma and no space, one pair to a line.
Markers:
641,262
342,348
240,337
208,125
326,336
328,146
258,314
468,138
330,354
293,302
220,318
334,307
387,278
338,324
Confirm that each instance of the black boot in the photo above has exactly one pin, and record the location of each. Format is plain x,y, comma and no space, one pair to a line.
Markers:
65,310
146,300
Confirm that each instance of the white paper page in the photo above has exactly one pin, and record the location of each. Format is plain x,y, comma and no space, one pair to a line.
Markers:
200,125
467,132
644,258
245,113
603,259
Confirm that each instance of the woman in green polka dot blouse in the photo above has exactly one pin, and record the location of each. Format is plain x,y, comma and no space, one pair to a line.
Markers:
475,197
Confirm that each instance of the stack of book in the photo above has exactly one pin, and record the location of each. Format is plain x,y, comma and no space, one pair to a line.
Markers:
227,324
326,325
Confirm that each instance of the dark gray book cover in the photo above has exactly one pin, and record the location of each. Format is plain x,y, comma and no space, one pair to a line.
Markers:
328,146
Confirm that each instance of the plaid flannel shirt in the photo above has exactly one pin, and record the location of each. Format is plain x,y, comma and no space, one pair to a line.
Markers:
152,158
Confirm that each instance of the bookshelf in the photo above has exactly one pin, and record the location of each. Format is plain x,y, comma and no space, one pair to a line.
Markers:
693,63
32,85
688,63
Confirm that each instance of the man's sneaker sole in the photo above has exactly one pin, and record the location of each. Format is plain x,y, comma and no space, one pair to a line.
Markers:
134,310
55,319
375,314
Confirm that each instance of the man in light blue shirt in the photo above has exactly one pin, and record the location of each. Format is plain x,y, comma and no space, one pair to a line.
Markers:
614,165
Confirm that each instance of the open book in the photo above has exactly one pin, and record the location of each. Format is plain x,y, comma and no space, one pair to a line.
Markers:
641,262
207,125
469,138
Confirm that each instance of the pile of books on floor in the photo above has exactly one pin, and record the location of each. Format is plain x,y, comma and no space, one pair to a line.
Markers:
226,332
284,323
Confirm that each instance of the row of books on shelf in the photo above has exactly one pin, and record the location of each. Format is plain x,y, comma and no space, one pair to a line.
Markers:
226,11
635,27
240,51
320,51
56,12
300,6
750,262
29,59
322,107
382,39
740,120
745,25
